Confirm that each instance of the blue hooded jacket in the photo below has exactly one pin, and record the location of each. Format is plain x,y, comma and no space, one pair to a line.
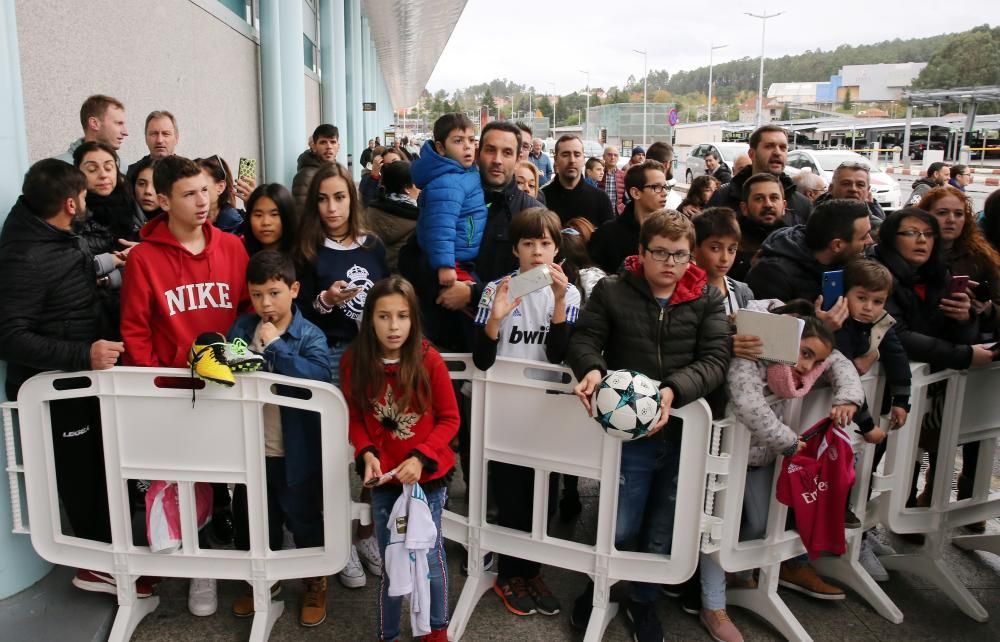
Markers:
452,208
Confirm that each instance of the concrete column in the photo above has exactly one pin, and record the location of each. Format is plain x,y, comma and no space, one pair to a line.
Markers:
270,89
20,567
293,88
906,135
356,138
367,80
334,69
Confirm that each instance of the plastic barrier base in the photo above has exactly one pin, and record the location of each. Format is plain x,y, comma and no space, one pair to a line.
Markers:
988,543
765,603
128,618
929,563
848,570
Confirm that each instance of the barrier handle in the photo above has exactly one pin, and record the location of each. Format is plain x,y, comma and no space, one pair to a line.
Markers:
13,469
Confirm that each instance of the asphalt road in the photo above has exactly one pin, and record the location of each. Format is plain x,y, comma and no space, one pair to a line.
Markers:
977,191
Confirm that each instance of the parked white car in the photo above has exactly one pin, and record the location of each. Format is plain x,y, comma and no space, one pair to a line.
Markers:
695,161
822,162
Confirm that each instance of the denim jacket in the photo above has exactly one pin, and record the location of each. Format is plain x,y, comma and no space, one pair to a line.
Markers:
301,351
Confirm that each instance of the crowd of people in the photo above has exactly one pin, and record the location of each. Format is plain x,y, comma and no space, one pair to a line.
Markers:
364,285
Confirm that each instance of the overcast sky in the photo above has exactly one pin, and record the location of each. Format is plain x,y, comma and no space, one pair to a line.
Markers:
540,42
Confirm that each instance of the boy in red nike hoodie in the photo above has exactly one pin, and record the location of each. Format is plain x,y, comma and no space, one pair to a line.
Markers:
185,278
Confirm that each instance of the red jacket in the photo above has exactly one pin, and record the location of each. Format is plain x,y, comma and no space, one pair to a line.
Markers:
395,434
619,188
170,296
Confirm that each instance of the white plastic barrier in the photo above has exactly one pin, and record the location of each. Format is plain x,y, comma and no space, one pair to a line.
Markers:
153,432
725,503
971,413
516,419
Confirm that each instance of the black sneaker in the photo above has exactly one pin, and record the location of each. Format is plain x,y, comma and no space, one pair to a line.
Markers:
545,602
645,625
515,595
579,618
850,519
672,590
222,526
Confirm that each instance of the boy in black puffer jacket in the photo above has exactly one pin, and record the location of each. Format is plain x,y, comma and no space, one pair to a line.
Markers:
659,317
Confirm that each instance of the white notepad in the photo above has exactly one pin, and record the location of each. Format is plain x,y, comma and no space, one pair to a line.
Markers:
779,332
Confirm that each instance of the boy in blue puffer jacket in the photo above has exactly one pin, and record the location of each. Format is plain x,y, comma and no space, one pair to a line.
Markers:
452,207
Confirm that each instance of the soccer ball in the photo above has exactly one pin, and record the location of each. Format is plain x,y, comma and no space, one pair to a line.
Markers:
626,404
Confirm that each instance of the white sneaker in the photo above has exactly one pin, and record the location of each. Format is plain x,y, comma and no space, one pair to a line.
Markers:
203,599
878,546
353,575
869,562
371,558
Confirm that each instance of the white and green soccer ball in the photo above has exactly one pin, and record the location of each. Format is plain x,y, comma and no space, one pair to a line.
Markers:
627,404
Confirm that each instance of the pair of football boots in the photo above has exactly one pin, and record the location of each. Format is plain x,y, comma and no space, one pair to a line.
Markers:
214,359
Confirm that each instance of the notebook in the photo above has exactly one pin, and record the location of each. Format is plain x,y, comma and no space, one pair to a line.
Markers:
779,332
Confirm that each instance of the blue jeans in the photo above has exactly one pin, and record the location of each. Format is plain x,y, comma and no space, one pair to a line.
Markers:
390,608
647,497
337,351
300,507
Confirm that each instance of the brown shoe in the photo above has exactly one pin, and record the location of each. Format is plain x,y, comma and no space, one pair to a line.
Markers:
719,626
741,581
801,577
243,605
314,602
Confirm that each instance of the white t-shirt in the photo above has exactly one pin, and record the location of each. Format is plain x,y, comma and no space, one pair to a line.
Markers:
524,331
274,441
412,533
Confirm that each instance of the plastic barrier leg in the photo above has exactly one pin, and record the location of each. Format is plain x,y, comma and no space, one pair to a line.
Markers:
988,543
848,570
603,611
930,565
128,617
266,611
476,585
764,602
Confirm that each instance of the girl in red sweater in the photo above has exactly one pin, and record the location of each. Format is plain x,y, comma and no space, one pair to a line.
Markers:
403,415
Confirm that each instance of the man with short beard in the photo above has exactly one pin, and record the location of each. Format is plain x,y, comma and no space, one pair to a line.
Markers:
852,180
938,174
762,211
569,195
792,260
50,320
768,153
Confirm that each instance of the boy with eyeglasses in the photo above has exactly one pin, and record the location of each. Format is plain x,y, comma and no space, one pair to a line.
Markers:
659,317
646,185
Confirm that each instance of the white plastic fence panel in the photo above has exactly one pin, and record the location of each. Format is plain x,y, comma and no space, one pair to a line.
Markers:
154,432
523,413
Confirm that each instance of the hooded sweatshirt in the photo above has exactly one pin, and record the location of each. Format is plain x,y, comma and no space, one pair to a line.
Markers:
170,295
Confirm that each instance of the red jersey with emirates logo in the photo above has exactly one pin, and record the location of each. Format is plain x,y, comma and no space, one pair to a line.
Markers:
815,483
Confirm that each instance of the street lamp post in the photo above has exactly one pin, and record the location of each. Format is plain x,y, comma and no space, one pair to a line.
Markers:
644,94
586,131
511,106
710,52
552,103
760,81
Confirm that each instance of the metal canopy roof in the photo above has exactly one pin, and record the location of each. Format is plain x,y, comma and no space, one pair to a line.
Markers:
409,37
956,95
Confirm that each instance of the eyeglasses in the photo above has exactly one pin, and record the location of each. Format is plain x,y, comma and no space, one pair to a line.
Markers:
526,145
661,256
915,234
657,188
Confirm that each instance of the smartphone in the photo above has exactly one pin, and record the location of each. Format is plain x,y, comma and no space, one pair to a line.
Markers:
833,287
957,284
247,169
527,282
982,292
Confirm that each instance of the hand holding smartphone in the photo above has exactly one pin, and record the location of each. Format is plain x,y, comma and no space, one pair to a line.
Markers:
958,284
833,288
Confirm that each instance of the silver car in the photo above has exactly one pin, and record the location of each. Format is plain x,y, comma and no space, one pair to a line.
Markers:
696,157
